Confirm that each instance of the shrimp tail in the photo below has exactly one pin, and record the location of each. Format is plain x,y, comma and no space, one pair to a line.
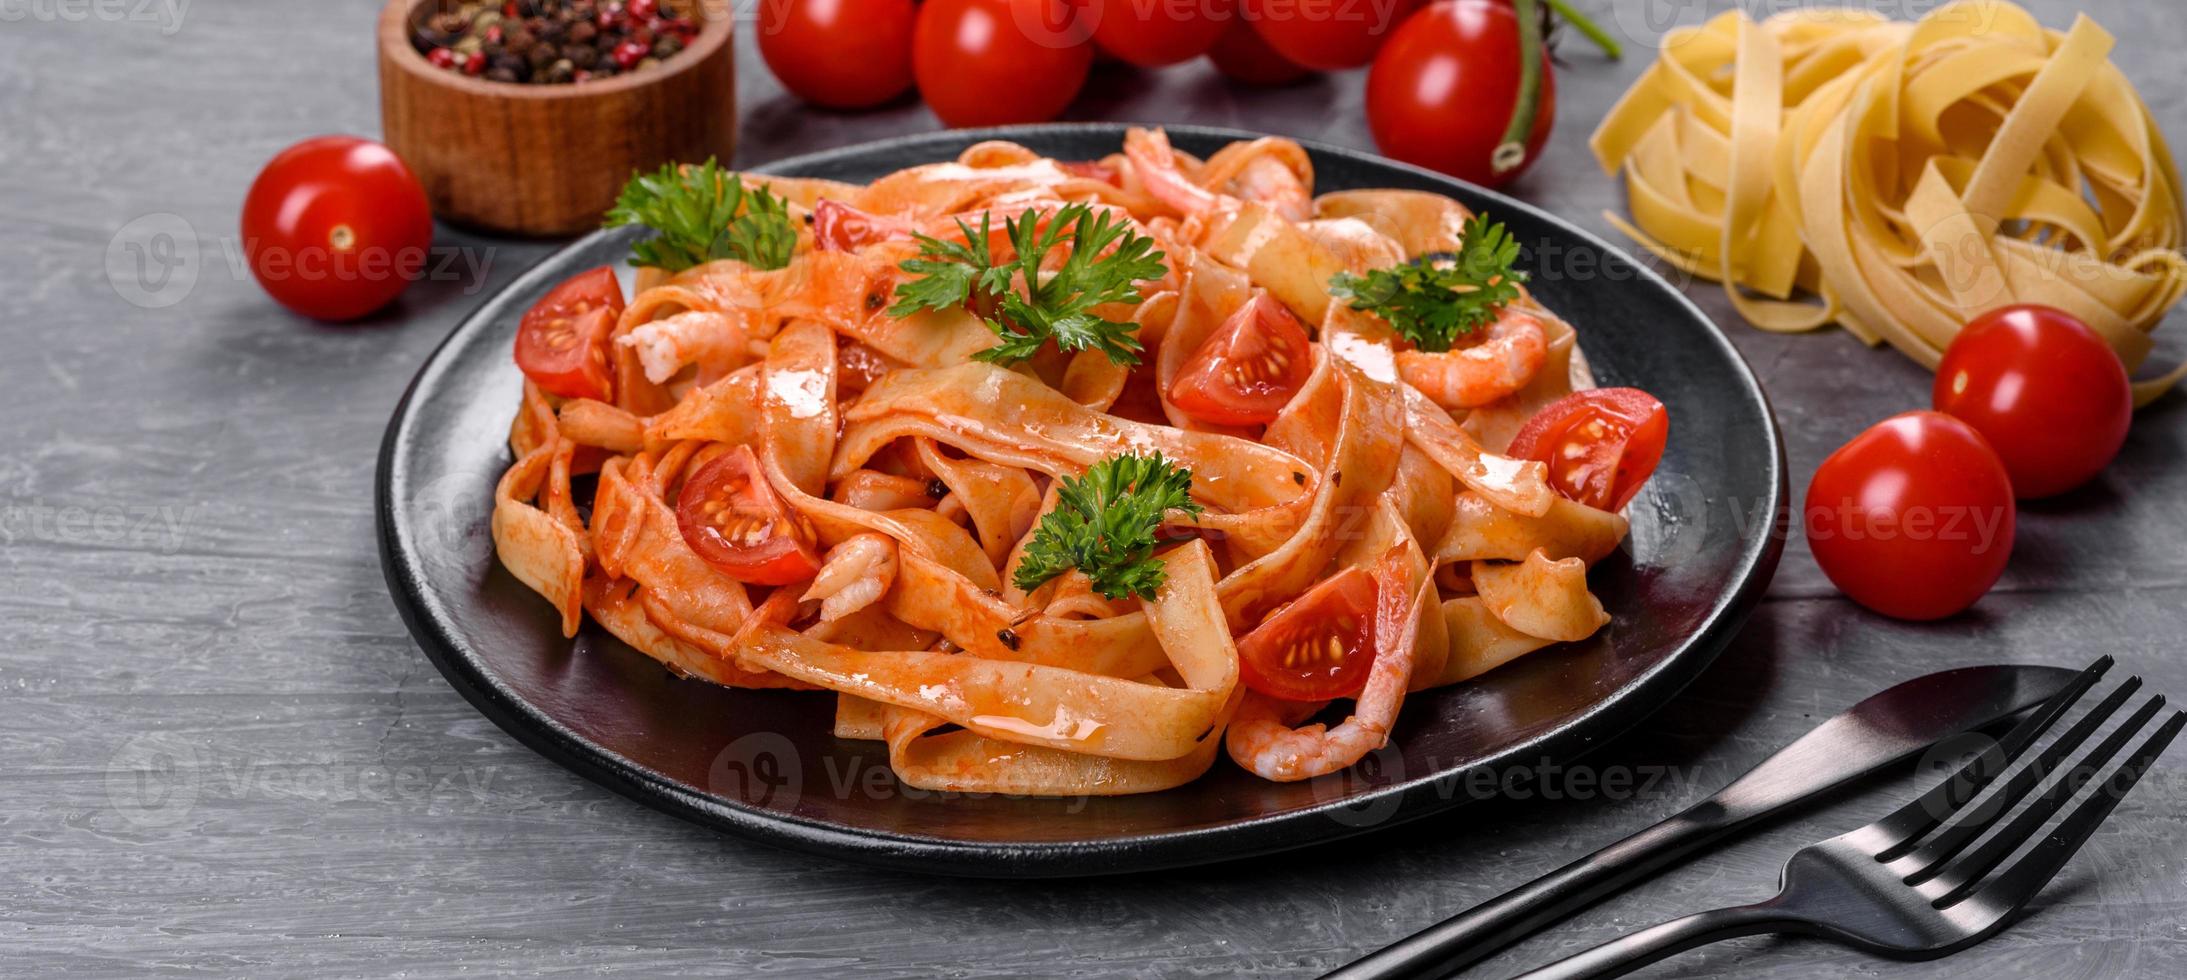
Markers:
855,574
1150,155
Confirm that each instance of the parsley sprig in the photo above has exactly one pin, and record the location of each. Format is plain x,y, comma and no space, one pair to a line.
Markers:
1026,307
1432,300
1105,525
703,213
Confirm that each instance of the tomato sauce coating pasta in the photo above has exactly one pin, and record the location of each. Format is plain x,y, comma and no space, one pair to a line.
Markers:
904,478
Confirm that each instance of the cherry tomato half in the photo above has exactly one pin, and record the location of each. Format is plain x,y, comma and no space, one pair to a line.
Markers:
1326,35
848,54
993,62
2045,390
1318,647
1913,518
1442,91
336,227
1154,33
1242,54
1248,369
1600,445
562,344
732,518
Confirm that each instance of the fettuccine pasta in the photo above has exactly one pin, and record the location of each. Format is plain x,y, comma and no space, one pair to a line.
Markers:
1907,176
919,475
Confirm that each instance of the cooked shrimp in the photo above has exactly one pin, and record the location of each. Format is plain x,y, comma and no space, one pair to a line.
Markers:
1261,737
1503,362
1264,180
716,342
1267,181
856,574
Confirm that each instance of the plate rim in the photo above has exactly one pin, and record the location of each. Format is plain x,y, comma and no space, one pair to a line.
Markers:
1416,798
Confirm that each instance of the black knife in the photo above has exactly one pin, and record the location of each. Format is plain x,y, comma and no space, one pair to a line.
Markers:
1887,728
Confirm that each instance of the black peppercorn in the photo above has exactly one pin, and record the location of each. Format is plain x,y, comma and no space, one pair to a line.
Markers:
542,41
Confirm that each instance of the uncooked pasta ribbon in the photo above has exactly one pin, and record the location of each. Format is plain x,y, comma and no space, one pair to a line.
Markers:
1905,177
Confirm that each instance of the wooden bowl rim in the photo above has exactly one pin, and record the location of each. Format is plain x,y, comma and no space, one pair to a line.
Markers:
714,34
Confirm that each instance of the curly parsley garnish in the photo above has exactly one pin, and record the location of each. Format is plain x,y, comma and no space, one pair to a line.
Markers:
1105,525
703,213
1026,307
1433,301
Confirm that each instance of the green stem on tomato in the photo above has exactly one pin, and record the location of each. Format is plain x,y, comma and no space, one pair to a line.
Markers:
1511,153
1586,25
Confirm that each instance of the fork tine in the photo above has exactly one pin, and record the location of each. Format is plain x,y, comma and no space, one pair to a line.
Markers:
1902,830
1962,876
1955,881
1964,826
2019,883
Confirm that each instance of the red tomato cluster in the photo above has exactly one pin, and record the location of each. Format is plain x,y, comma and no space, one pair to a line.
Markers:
1915,517
1445,84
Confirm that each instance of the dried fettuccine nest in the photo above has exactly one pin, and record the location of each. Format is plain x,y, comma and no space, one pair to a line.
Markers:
1906,176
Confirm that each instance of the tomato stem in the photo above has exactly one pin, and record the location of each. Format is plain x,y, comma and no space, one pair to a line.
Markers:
1586,25
1511,153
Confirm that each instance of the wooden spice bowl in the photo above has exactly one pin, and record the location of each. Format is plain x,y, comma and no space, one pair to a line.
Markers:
548,159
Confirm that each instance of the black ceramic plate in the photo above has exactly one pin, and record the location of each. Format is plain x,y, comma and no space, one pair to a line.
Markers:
763,765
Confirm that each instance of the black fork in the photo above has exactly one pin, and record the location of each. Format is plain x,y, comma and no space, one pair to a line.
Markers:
1909,885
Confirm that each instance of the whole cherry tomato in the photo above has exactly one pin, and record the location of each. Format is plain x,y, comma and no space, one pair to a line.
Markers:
1442,91
1241,53
848,54
1600,445
335,227
2048,393
1914,517
1154,33
993,62
1327,35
